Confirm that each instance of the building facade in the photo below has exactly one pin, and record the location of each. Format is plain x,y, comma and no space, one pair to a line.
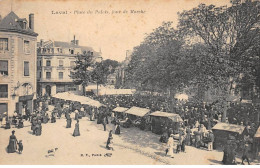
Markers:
55,61
17,64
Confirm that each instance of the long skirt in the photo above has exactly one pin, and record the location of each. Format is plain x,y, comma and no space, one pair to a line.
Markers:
68,123
76,132
12,146
117,131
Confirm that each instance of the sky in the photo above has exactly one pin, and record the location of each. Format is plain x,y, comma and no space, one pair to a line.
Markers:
112,33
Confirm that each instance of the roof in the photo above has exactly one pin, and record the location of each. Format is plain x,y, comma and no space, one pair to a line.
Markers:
78,98
9,23
120,109
137,111
172,116
229,127
257,134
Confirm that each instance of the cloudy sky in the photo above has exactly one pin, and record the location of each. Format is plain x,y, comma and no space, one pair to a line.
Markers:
112,33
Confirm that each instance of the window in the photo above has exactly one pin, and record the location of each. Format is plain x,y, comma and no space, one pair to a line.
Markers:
26,46
40,74
60,63
60,88
72,88
72,63
60,75
3,44
3,91
48,75
26,68
40,63
48,63
72,51
3,67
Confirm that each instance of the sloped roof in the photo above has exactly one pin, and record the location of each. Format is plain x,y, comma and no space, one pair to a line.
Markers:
120,109
137,111
9,23
229,127
174,117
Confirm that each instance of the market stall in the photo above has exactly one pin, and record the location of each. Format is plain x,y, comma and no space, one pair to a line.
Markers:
137,116
223,131
119,112
160,120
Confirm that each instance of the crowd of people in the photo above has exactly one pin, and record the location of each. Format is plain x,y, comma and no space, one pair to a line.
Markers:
195,130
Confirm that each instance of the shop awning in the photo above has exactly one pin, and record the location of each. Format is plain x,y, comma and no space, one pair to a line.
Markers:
229,127
120,109
174,117
137,111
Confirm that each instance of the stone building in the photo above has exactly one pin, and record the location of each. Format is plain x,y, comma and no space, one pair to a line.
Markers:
17,64
55,60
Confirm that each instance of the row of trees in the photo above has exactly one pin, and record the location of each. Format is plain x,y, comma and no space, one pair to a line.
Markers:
211,47
87,70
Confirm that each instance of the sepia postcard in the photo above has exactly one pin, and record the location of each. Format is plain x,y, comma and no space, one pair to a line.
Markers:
140,82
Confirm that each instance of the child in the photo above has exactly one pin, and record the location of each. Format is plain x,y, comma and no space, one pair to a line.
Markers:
20,147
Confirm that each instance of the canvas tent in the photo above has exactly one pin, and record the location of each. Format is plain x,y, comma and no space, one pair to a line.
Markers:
137,111
161,119
119,111
222,131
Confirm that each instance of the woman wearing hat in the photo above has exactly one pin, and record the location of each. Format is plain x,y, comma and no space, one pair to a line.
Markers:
11,148
76,130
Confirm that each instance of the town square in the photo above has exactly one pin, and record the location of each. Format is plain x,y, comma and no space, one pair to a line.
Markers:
120,83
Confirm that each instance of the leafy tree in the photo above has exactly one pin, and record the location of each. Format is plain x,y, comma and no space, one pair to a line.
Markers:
81,73
227,35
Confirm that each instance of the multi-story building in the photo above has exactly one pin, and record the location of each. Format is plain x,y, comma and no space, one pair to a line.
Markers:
17,64
54,65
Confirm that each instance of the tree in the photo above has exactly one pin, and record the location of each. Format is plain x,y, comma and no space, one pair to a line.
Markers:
102,70
227,34
159,63
81,73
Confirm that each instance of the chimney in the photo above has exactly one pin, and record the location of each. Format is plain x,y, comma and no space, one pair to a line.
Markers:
41,43
31,21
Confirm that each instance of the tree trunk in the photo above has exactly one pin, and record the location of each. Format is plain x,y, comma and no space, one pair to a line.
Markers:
172,99
97,88
84,89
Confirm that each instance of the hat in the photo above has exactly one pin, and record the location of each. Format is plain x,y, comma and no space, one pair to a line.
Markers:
13,131
171,135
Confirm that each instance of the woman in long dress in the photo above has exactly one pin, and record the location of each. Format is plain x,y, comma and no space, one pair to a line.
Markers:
170,146
76,130
11,148
117,129
68,122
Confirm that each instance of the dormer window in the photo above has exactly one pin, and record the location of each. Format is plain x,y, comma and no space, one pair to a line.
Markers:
72,51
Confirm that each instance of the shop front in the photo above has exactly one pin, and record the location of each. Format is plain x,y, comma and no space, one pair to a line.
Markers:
24,103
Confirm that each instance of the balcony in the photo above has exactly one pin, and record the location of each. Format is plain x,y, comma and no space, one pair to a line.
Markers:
48,68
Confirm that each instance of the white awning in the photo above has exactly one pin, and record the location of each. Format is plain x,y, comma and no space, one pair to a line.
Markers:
174,117
229,127
120,109
137,111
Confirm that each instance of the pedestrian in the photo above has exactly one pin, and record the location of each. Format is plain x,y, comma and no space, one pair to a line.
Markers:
117,129
169,149
245,154
104,123
20,123
8,123
76,130
110,133
11,148
211,140
76,114
20,147
68,122
109,143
